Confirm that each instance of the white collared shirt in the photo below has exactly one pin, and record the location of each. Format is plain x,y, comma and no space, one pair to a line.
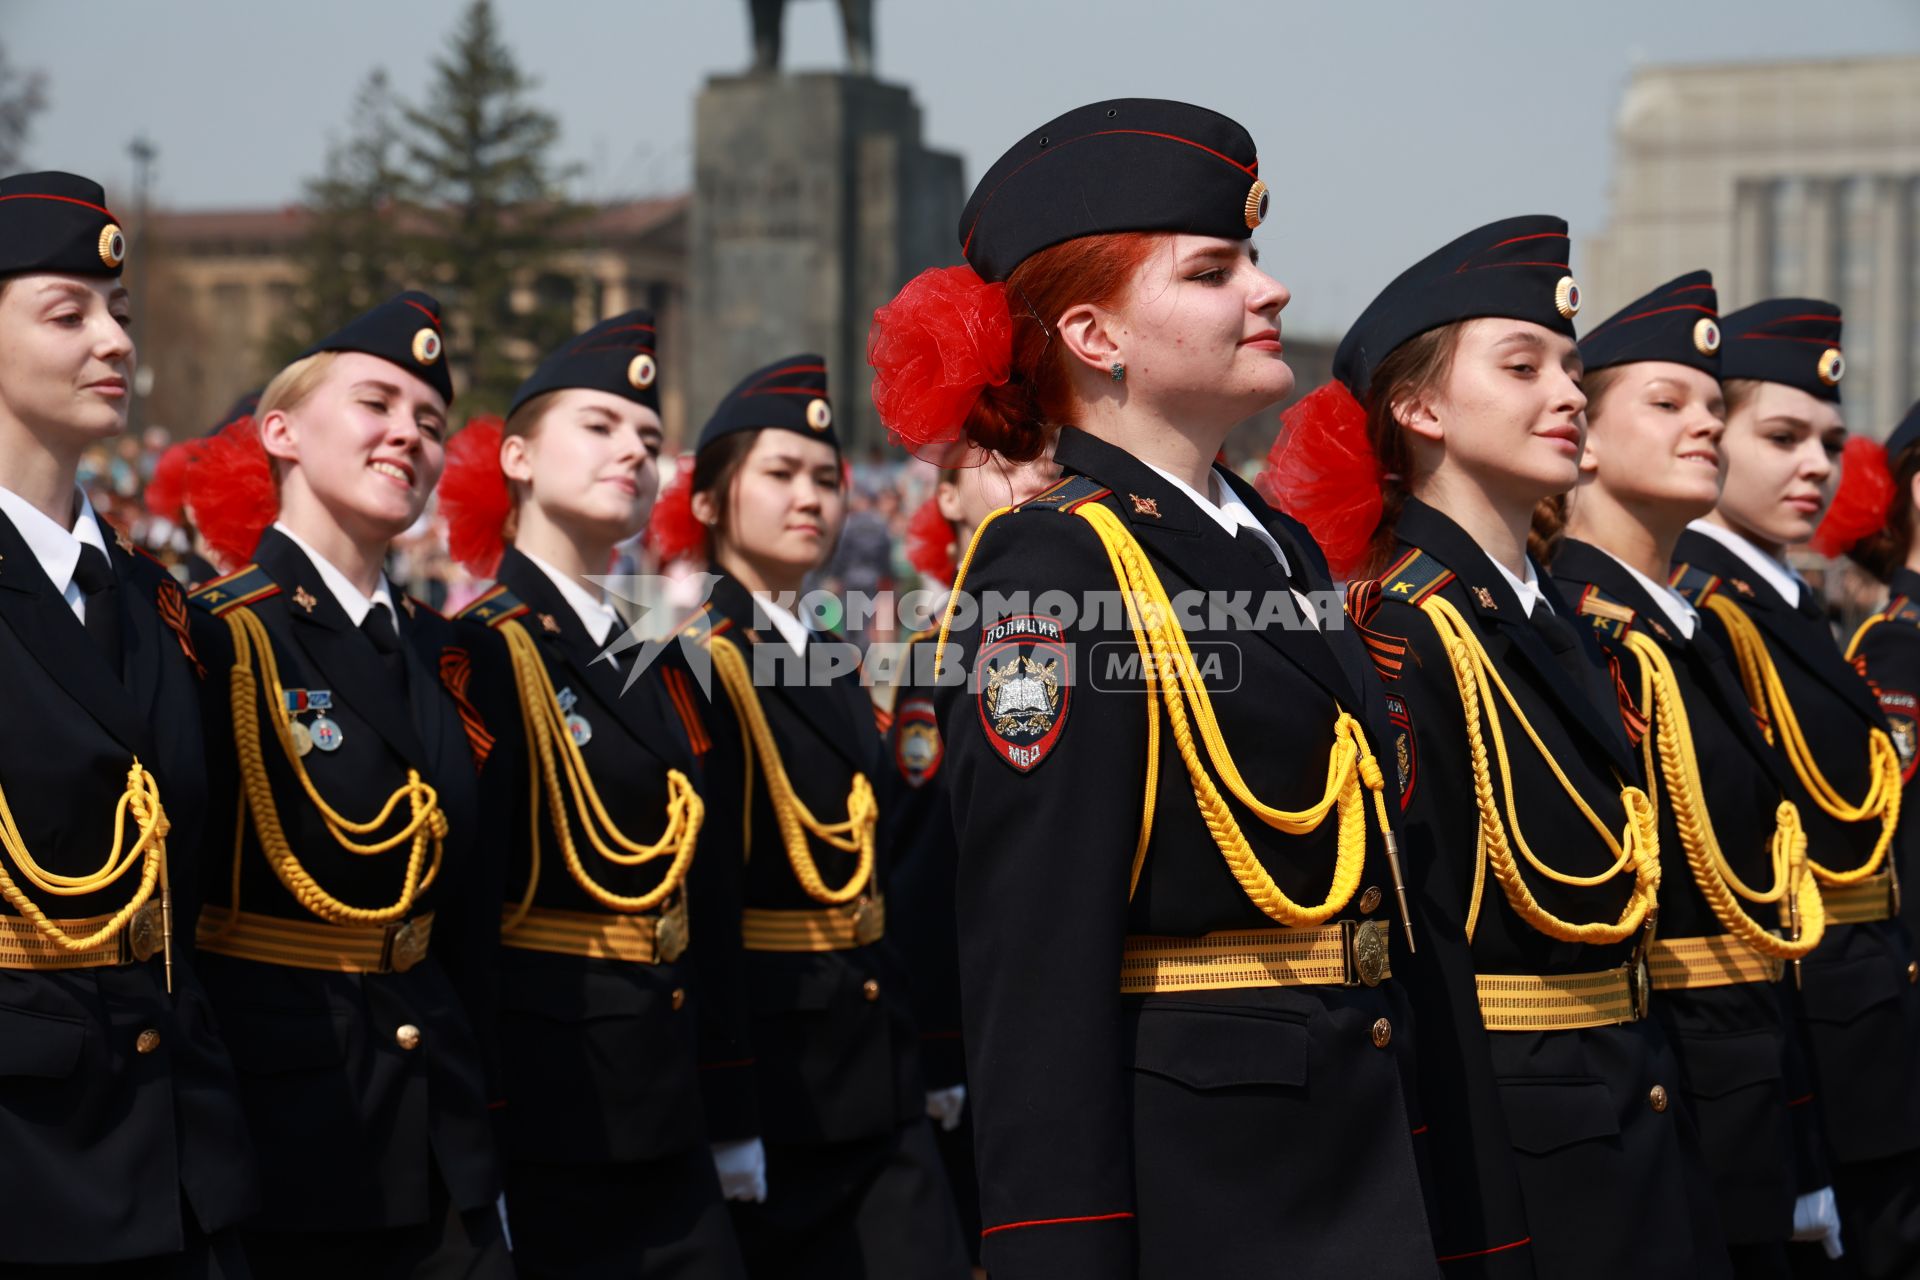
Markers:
1527,588
596,615
57,549
1777,574
785,621
352,603
1671,602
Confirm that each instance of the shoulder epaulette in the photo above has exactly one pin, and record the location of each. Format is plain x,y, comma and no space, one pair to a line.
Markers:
242,587
1609,617
703,626
1901,609
1413,578
495,606
1069,494
1696,586
1389,653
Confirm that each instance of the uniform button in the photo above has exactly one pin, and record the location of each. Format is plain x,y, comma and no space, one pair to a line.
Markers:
870,989
1913,971
679,997
1382,1033
407,1036
1658,1097
147,1041
1370,900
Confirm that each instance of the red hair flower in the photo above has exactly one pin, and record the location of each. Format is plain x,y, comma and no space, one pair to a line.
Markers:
230,492
674,532
1322,471
474,497
166,494
943,339
931,543
1861,503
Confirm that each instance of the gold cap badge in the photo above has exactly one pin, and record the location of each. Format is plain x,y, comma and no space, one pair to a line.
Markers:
1706,335
113,245
1566,297
641,371
1833,366
819,415
1256,207
426,346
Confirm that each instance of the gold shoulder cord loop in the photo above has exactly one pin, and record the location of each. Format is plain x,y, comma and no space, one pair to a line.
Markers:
854,835
1794,891
426,826
141,799
1769,695
554,750
1638,848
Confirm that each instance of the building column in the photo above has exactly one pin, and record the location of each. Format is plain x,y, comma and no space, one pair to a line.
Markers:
1747,282
1888,301
1819,248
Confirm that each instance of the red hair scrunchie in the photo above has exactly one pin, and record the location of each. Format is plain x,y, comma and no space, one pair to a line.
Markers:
1861,502
230,492
673,531
475,497
931,543
166,494
1322,471
944,338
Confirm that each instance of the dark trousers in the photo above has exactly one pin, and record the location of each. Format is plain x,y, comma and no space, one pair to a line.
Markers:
204,1257
644,1220
956,1156
1879,1222
874,1210
449,1245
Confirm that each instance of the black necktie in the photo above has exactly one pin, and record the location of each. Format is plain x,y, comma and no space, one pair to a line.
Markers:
1810,606
1554,629
378,627
94,576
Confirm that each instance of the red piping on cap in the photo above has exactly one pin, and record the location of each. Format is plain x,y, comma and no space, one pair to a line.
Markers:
423,311
84,204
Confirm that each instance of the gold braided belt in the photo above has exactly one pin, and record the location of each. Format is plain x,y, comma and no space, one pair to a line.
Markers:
1875,898
394,947
1718,960
836,928
25,944
1562,1001
1346,953
600,935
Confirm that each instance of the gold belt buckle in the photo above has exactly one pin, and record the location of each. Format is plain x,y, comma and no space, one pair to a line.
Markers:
142,938
405,946
869,920
670,933
1365,943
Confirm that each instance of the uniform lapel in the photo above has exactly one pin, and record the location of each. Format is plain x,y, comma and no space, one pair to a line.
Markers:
339,650
1179,535
1499,610
822,709
142,633
45,624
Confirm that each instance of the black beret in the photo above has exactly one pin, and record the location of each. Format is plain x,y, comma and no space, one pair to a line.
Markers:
789,394
616,356
1794,341
1678,323
404,330
58,222
1515,268
1908,432
1130,164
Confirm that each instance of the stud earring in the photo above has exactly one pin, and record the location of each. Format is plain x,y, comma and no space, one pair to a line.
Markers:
1119,371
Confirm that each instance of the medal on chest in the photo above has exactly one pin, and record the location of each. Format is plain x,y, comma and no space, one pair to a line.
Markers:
578,727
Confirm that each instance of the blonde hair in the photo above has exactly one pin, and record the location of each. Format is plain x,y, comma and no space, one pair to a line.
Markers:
294,384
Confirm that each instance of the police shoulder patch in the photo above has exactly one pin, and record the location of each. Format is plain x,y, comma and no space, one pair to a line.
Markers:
1023,682
917,747
1903,720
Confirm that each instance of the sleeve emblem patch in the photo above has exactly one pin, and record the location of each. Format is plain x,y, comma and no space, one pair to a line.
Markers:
917,749
1024,685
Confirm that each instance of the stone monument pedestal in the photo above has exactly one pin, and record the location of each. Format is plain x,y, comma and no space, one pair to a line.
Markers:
814,201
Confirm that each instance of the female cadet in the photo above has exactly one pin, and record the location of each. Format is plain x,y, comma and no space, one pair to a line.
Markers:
1860,1011
918,812
125,1146
591,784
815,1096
1186,1049
1459,403
346,903
1736,898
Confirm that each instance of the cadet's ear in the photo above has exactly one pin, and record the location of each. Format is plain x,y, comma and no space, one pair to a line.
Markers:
279,437
1092,336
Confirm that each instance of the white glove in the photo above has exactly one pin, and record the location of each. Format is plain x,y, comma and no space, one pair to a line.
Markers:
742,1167
506,1232
945,1105
1817,1217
